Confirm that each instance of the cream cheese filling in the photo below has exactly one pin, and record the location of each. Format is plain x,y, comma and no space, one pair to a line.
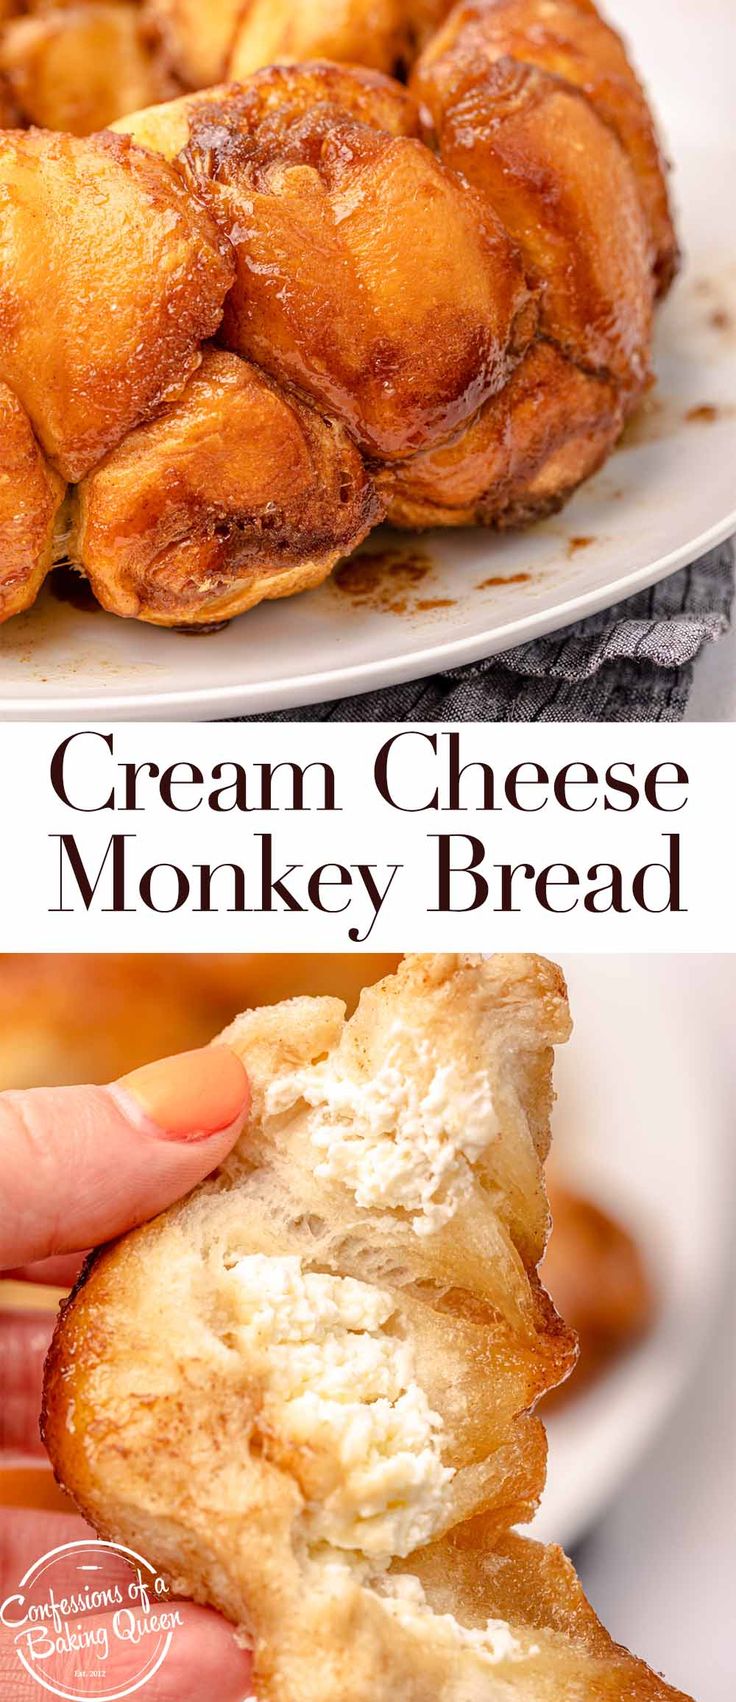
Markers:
336,1384
405,1138
405,1600
334,1381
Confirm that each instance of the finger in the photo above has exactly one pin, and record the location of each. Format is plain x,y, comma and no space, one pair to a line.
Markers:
56,1273
25,1536
203,1661
82,1164
24,1343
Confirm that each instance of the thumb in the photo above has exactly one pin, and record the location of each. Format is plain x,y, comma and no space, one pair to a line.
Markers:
81,1164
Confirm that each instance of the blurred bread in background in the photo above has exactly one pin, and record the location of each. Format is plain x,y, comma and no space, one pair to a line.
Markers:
599,1279
66,1019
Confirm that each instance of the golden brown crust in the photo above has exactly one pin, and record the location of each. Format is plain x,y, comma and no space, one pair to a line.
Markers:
476,320
31,496
473,1574
274,98
132,274
237,492
552,171
522,456
572,42
281,90
164,128
367,275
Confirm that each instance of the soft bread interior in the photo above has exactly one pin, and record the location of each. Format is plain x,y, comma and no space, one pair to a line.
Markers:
306,1391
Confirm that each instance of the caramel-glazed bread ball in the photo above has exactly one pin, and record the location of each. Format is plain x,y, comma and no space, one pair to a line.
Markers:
309,296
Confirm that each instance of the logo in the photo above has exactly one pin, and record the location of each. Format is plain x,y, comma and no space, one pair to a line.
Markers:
91,1619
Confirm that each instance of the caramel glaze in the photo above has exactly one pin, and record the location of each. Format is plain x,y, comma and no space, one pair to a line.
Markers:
553,170
285,317
367,274
705,413
520,458
387,581
569,41
188,498
497,579
111,275
31,497
576,544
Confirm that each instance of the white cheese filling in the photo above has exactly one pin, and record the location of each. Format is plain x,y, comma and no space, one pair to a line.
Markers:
336,1383
404,1598
405,1138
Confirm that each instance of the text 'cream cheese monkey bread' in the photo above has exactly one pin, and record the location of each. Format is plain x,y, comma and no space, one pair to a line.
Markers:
281,310
305,1393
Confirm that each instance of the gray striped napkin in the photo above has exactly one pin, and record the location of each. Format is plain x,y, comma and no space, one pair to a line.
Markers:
633,662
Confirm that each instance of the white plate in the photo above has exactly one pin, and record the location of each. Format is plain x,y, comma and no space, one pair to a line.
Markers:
660,502
644,1123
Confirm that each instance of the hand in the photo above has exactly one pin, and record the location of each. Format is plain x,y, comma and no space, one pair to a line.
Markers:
79,1166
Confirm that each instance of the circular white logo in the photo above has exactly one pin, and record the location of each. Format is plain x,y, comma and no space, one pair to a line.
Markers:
91,1619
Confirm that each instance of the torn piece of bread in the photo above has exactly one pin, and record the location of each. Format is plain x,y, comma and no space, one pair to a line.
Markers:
305,1392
